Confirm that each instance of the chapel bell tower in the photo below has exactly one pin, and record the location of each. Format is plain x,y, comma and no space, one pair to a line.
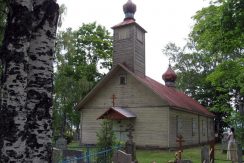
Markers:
129,42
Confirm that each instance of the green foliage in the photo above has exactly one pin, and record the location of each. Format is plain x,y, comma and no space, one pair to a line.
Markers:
106,138
217,30
210,65
80,54
237,121
228,79
229,76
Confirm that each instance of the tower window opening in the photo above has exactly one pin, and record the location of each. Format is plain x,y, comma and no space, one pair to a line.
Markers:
122,80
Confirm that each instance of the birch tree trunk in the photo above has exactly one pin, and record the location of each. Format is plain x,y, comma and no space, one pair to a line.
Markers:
14,59
40,81
26,85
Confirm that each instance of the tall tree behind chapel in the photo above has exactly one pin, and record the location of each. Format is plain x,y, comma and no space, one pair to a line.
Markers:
26,83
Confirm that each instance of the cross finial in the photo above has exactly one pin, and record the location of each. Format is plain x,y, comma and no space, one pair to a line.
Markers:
169,63
113,98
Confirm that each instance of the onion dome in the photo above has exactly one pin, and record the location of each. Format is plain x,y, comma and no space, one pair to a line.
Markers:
129,9
169,77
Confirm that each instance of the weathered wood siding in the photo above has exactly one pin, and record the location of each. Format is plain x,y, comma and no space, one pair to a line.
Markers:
89,125
139,55
130,50
194,128
123,49
132,94
151,126
136,97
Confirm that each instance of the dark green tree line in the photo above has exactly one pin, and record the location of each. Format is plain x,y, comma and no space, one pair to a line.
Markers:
83,56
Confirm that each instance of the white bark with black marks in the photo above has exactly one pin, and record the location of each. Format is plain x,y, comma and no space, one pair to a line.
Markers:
40,83
26,83
14,58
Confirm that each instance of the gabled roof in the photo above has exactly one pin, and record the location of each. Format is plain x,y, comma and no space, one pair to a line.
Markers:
117,113
173,98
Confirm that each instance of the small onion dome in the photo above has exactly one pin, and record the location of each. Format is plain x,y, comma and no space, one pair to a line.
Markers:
129,9
169,77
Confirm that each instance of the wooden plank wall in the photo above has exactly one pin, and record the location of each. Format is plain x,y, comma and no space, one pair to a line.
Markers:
151,127
133,95
139,61
200,132
130,50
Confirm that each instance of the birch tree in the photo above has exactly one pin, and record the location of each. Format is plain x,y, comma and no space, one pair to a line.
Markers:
26,83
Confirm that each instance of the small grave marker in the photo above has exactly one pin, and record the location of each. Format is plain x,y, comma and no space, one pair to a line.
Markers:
121,157
61,143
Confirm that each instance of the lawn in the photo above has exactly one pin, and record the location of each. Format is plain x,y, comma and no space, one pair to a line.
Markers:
163,156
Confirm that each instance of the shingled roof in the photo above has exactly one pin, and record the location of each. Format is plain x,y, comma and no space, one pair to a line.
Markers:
173,98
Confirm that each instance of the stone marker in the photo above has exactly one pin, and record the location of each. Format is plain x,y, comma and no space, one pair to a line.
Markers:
121,157
73,156
224,142
61,143
205,154
57,155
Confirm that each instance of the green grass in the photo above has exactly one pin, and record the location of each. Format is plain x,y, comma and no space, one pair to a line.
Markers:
163,156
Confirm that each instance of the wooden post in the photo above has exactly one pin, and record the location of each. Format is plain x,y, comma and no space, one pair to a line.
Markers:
180,141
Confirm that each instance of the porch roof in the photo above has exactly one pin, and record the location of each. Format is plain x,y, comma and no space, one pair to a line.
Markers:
117,113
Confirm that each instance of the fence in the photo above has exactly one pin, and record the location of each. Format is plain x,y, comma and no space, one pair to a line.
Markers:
93,155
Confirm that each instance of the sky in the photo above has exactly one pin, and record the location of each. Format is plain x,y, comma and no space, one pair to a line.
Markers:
164,20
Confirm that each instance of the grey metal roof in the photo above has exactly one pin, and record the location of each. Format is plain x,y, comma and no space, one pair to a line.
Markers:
124,112
117,113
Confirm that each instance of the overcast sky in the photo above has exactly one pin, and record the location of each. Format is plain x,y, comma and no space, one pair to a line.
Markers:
164,20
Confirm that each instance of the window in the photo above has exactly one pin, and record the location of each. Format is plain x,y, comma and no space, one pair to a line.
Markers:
211,127
194,127
123,34
204,128
122,80
179,125
139,35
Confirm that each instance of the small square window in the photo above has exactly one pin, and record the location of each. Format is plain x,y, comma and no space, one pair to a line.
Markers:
139,35
122,80
124,34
